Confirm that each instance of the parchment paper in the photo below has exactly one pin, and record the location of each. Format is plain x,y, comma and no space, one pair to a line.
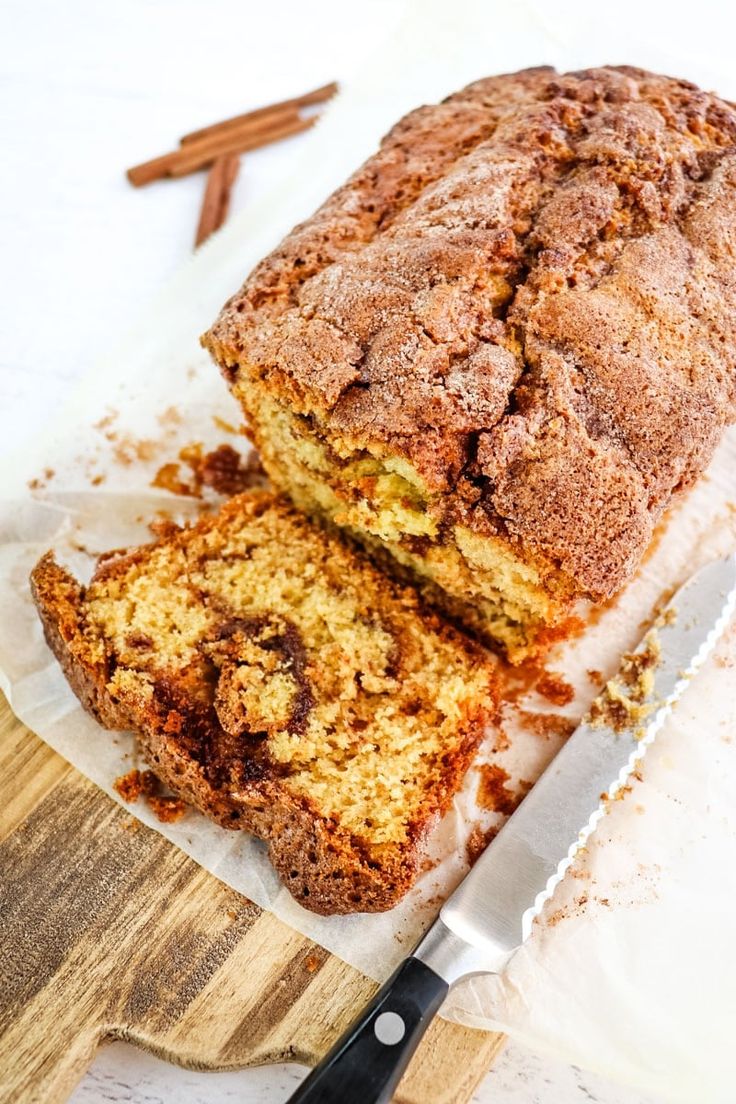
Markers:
630,971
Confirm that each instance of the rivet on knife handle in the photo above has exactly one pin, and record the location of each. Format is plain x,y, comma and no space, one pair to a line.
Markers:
366,1063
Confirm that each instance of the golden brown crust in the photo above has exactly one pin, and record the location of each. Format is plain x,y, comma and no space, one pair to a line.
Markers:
224,769
58,597
529,292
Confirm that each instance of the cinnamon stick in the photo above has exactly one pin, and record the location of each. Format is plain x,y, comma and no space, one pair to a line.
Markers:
216,201
316,96
197,155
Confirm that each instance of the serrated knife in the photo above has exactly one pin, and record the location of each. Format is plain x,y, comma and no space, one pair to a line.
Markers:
491,912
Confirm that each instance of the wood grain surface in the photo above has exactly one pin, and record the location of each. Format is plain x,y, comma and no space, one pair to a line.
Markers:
109,931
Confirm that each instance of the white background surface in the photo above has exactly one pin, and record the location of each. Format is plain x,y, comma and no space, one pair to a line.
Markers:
87,90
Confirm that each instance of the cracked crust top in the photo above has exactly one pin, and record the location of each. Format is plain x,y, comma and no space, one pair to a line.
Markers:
530,293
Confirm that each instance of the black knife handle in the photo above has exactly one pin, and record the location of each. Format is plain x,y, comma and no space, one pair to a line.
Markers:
366,1063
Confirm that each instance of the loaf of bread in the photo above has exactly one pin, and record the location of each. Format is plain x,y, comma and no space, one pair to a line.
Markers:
279,683
502,347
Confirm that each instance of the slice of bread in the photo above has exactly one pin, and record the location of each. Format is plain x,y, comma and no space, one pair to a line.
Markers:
279,683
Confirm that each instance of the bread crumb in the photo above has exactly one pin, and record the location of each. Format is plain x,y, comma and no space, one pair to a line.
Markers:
625,702
554,688
520,680
41,481
224,470
132,785
477,842
167,809
547,724
493,792
559,914
168,479
163,526
136,784
227,473
619,794
312,963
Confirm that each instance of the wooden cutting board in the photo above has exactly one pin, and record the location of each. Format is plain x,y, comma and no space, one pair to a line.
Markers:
109,931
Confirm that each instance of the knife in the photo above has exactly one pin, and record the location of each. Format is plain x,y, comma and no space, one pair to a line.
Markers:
490,914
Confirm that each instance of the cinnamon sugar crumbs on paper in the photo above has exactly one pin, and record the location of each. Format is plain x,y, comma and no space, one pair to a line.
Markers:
128,450
40,481
565,912
477,842
493,792
554,688
547,724
596,677
501,742
568,629
170,418
520,680
106,422
223,469
428,863
168,479
559,914
226,427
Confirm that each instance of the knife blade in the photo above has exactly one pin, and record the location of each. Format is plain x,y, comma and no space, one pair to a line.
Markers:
490,914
